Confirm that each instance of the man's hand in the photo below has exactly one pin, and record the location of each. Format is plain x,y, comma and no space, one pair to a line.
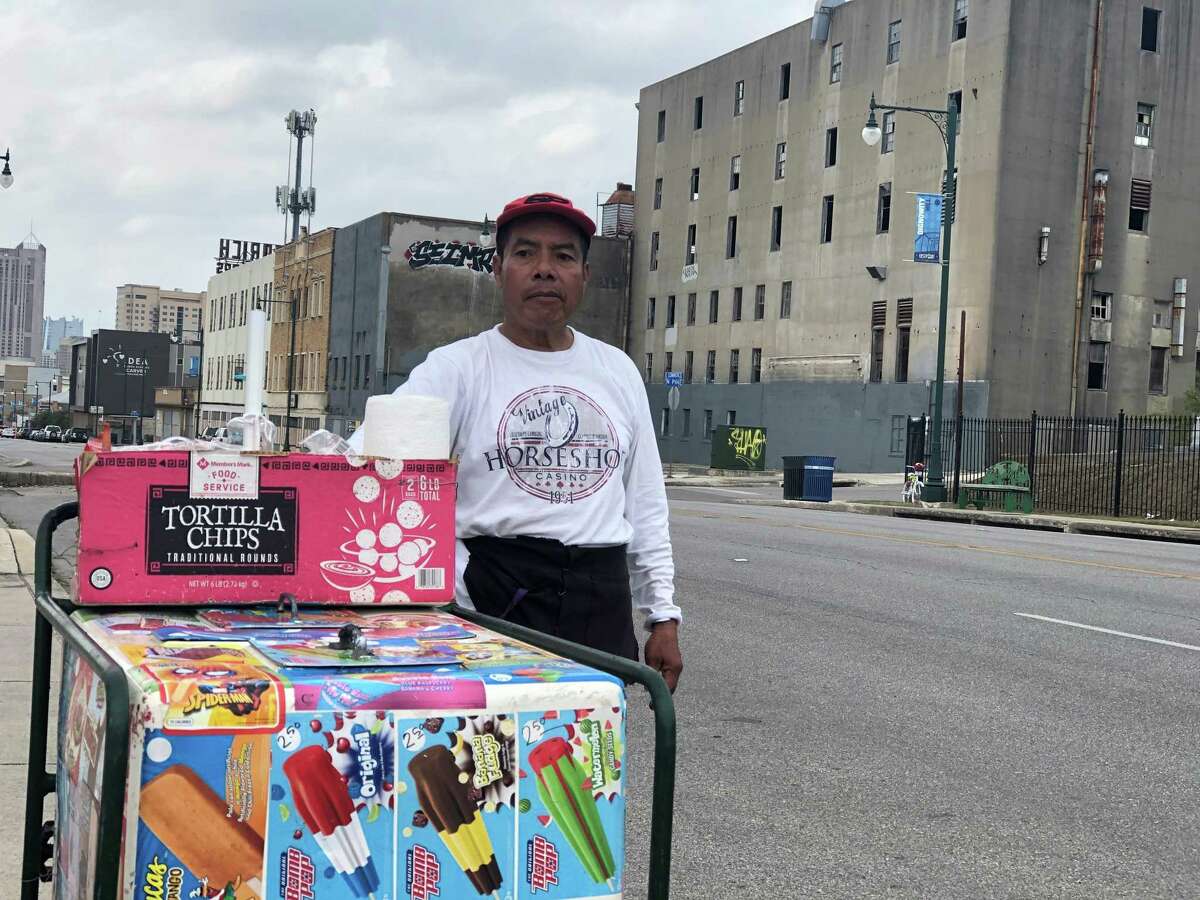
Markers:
662,651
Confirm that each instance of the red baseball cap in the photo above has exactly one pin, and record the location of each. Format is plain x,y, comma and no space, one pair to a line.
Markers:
547,204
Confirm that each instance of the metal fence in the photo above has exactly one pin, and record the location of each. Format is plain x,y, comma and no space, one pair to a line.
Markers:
1127,466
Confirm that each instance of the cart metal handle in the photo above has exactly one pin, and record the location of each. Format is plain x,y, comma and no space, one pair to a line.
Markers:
663,809
52,616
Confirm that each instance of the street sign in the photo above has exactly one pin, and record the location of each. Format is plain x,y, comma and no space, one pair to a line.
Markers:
673,379
136,414
673,398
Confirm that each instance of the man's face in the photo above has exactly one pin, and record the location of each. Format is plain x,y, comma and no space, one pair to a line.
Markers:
541,273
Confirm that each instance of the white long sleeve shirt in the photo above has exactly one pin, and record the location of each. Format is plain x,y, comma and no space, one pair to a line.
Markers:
555,445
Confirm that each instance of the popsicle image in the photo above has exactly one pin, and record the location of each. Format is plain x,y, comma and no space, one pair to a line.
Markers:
323,802
443,791
560,784
191,821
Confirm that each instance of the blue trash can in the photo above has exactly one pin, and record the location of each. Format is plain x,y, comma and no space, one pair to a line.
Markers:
818,478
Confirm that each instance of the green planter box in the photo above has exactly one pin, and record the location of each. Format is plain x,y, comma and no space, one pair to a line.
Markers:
742,447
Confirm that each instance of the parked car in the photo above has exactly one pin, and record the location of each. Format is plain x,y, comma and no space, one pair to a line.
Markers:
36,434
25,433
52,433
210,433
75,436
8,431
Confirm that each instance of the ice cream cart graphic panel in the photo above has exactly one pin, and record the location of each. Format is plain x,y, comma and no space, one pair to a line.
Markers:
202,814
333,815
80,748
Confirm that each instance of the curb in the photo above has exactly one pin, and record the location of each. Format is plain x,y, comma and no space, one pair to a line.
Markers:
1171,534
12,478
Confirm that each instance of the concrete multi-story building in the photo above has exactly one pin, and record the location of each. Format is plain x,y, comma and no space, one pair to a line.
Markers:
147,307
775,247
22,299
230,296
303,278
55,329
405,284
62,357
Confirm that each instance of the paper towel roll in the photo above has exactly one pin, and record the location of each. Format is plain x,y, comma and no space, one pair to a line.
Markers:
407,426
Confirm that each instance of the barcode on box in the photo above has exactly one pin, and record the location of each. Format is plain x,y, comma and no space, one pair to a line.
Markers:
431,579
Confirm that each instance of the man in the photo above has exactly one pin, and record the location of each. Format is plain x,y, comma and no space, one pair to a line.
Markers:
562,512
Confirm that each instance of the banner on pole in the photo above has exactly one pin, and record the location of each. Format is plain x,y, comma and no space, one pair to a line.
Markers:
927,241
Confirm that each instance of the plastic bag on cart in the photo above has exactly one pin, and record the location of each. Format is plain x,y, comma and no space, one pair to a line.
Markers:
235,428
326,443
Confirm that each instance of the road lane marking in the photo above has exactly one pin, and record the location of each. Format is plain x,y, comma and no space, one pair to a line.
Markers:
1112,567
687,487
1125,634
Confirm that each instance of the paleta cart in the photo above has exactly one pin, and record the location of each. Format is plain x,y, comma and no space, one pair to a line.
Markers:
446,775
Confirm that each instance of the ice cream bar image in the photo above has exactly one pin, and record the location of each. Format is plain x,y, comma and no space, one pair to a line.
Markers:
191,821
560,785
444,794
323,802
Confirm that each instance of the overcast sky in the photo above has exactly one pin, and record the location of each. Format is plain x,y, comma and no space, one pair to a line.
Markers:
142,133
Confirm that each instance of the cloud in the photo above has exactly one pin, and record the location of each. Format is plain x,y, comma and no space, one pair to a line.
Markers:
143,132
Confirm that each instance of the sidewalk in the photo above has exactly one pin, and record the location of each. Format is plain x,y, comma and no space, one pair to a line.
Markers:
16,662
1036,521
690,476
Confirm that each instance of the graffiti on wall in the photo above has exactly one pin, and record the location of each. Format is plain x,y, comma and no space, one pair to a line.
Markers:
748,444
454,254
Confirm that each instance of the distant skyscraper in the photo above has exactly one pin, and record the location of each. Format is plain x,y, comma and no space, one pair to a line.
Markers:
22,298
147,307
54,330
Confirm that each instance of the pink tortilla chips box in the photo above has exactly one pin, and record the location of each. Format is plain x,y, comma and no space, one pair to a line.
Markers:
186,528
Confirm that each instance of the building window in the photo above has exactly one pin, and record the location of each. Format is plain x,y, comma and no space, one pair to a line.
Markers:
1145,123
689,251
776,228
662,125
737,305
827,218
878,324
731,417
687,422
1162,314
710,367
735,172
893,51
888,144
1097,371
883,210
731,237
1139,205
785,81
739,98
960,20
785,300
1150,28
1158,370
658,193
708,420
830,147
694,184
734,356
714,299
760,302
698,113
357,372
653,251
835,64
687,367
903,332
664,422
899,435
668,362
954,101
650,313
367,371
691,309
756,365
1101,307
670,310
780,160
649,367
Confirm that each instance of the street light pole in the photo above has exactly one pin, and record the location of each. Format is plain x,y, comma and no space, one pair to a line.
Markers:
946,121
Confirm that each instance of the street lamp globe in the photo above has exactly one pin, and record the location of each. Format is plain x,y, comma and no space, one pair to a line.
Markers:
872,133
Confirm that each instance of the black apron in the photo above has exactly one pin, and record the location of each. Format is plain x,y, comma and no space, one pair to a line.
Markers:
580,594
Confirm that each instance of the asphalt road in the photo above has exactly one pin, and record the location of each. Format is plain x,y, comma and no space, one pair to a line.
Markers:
870,710
44,456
